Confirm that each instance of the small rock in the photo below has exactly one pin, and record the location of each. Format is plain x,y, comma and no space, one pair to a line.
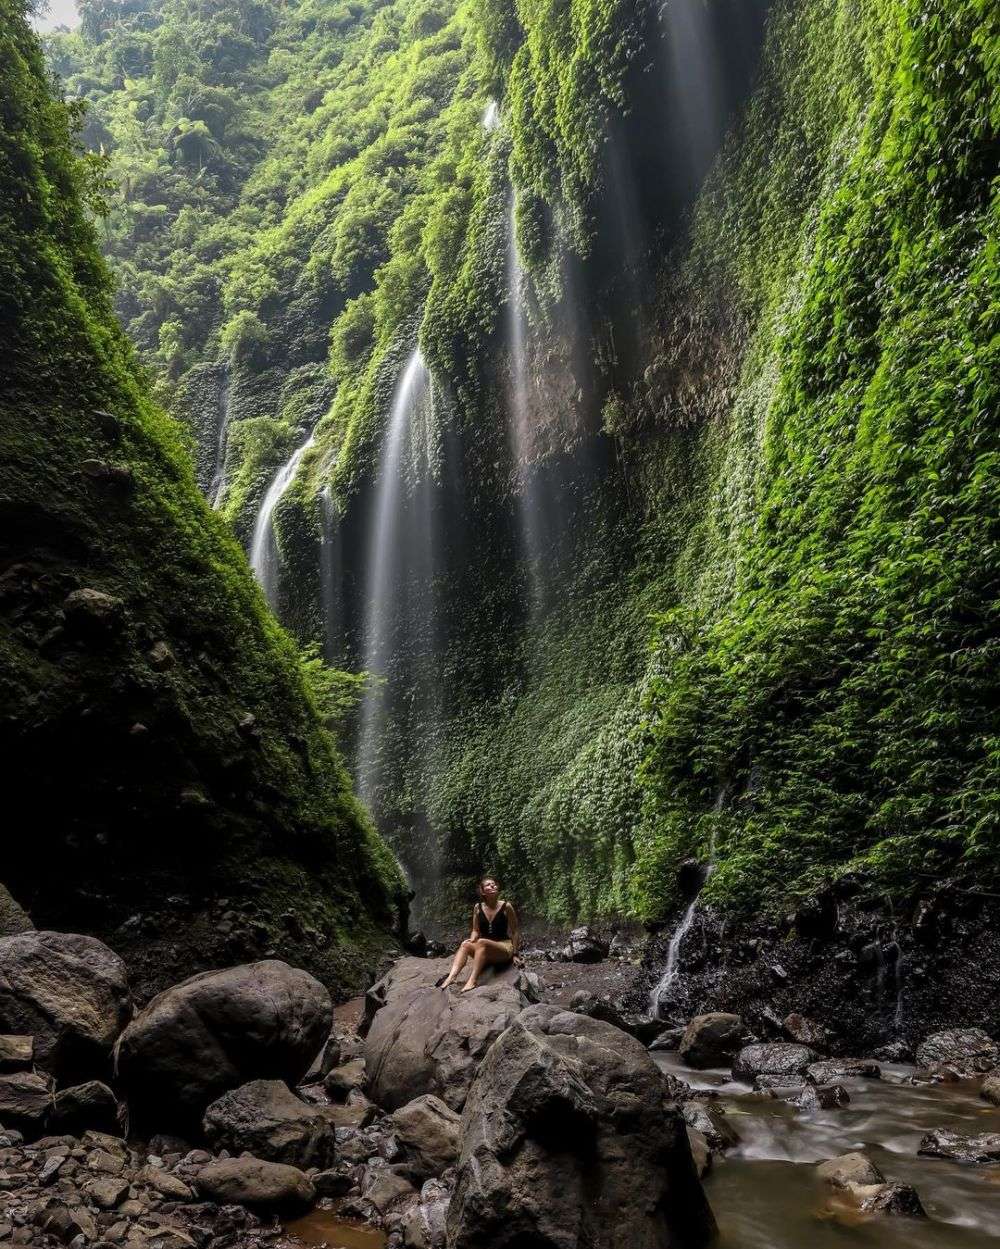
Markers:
700,1152
957,1147
92,613
711,1122
385,1189
892,1199
107,1192
584,946
105,1163
990,1091
805,1031
332,1184
24,1101
165,1184
428,1129
161,657
50,1169
850,1169
88,1105
828,1071
345,1079
256,1183
822,1097
765,1063
711,1040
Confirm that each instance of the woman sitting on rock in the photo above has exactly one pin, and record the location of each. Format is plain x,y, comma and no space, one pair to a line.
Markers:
494,938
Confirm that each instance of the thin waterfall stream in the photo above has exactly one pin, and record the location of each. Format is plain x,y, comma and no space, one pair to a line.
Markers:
264,557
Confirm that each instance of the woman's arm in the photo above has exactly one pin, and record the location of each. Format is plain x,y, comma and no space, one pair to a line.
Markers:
474,935
515,927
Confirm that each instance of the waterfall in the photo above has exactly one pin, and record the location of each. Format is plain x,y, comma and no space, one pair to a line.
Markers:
399,622
491,116
219,474
672,969
264,558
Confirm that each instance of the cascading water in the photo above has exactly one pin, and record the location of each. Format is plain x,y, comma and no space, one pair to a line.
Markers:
672,969
219,474
264,558
399,620
491,117
331,574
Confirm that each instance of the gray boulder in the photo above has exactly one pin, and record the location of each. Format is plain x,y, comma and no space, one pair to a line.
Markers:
270,1186
955,1146
568,1140
772,1064
584,946
428,1131
345,1078
967,1051
217,1031
266,1119
711,1040
805,1031
70,993
848,1170
830,1070
427,1040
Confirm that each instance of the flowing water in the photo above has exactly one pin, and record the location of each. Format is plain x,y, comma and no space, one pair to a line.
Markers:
331,575
765,1193
491,117
264,558
399,618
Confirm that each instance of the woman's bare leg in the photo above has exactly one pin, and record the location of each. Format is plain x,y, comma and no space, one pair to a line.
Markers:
487,953
462,955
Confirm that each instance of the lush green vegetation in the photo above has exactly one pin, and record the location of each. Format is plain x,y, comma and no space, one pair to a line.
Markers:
763,405
158,725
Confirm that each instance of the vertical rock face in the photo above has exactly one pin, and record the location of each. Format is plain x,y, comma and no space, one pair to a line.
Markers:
134,647
13,917
568,1141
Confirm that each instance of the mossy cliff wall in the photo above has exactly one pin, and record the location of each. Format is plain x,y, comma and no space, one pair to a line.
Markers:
760,300
160,746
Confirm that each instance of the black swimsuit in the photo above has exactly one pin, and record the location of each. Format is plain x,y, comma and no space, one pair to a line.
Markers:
497,928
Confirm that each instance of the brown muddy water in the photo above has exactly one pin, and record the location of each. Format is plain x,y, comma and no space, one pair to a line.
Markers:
765,1194
323,1227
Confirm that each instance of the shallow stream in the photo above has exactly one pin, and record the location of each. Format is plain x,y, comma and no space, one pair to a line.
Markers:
765,1194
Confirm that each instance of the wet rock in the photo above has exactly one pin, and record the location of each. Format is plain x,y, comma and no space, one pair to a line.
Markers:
700,1151
850,1170
805,1031
830,1070
332,1184
822,1097
712,1123
892,1199
770,1063
894,1052
218,1031
990,1090
256,1183
711,1040
584,946
107,1191
16,1053
70,993
345,1079
331,1056
428,1131
266,1119
385,1188
567,1140
88,1105
968,1051
428,1040
668,1040
957,1147
595,1007
25,1100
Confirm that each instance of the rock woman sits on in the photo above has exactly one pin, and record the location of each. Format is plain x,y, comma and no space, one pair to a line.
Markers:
494,938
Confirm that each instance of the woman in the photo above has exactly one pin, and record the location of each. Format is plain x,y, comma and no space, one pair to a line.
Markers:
494,938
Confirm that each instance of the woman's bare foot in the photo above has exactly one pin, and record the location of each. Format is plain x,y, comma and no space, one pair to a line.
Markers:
469,986
443,984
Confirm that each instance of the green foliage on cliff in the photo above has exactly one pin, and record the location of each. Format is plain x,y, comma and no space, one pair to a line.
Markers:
771,614
158,727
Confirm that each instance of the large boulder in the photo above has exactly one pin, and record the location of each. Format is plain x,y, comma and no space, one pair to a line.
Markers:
967,1051
422,1039
25,1102
269,1186
773,1064
266,1119
88,1106
584,946
428,1131
568,1140
711,1040
68,991
217,1031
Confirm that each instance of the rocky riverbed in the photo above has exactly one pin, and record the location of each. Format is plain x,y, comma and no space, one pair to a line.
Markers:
239,1109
